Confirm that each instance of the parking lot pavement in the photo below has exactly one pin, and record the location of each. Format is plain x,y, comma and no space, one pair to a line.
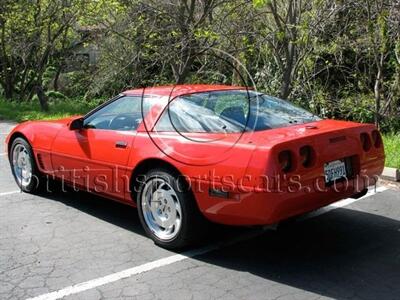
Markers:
85,247
7,183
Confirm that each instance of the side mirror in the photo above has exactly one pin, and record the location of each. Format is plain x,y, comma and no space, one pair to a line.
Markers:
76,124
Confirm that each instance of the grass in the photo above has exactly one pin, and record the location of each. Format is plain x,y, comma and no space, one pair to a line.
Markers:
24,111
392,149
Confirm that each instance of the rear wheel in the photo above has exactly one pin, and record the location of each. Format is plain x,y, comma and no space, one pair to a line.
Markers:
168,211
23,166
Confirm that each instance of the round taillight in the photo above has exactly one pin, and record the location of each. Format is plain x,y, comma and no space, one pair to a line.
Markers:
307,155
285,161
365,141
376,138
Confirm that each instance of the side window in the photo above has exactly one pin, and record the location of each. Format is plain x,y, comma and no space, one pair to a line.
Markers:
125,113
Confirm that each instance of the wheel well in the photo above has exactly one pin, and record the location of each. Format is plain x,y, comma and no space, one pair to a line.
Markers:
13,137
146,165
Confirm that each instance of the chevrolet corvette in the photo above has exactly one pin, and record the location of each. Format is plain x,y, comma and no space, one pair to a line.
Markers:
188,154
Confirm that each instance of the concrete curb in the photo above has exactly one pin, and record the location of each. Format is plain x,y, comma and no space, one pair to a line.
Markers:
391,174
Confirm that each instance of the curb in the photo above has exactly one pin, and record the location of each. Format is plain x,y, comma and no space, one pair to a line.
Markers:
391,174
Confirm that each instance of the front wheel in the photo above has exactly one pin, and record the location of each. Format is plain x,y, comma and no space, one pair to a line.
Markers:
23,166
168,210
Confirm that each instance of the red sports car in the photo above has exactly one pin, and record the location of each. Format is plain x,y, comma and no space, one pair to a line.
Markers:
183,154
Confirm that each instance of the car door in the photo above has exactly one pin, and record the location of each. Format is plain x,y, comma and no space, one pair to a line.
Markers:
95,157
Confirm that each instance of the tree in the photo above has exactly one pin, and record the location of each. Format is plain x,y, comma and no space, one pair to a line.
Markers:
289,29
184,31
377,29
159,41
35,33
31,34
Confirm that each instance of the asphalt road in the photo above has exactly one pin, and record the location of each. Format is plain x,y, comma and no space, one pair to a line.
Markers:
84,247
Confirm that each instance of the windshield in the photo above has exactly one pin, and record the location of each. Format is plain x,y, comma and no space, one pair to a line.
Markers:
230,111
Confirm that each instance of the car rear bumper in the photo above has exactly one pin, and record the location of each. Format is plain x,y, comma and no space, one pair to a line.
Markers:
263,207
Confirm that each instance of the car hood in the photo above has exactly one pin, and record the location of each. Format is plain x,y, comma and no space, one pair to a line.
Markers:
43,131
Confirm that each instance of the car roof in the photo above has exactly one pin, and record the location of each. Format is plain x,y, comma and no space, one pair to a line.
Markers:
182,89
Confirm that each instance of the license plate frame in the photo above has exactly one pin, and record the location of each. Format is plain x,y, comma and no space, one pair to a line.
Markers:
335,170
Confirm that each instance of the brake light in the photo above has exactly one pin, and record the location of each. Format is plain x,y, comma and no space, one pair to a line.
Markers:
365,141
285,160
376,138
307,155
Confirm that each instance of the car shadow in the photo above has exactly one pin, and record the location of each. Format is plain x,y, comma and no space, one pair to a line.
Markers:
342,254
113,212
120,214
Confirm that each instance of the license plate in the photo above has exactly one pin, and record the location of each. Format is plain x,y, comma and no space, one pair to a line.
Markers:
334,170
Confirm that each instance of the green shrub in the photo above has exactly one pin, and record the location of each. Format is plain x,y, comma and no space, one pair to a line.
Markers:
76,83
55,95
390,124
49,75
359,108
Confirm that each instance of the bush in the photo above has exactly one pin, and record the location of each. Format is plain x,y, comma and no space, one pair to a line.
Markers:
390,124
75,84
55,95
359,108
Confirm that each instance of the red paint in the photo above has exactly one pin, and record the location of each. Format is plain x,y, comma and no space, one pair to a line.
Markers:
92,153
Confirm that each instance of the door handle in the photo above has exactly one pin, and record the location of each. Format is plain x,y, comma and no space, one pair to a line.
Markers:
121,144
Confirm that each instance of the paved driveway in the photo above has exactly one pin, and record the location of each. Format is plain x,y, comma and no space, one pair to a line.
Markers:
83,247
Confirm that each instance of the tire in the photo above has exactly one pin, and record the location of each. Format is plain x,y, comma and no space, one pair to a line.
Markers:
174,221
23,166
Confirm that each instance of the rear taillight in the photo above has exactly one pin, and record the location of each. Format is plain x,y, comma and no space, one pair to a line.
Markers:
286,161
365,141
307,155
376,138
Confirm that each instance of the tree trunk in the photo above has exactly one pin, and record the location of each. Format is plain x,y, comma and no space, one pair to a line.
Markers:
56,78
183,72
42,98
238,78
286,83
8,90
377,91
377,94
8,85
180,78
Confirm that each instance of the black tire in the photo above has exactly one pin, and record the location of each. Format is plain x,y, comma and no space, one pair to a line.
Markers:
36,179
193,223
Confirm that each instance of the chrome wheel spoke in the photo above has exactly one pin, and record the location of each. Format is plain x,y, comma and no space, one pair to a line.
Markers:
161,209
22,165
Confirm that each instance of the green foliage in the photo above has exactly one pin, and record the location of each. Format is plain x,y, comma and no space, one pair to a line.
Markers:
76,83
392,150
53,95
357,108
261,3
24,111
391,124
48,75
38,37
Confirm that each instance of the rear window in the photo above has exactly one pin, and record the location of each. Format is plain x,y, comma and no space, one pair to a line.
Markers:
230,111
